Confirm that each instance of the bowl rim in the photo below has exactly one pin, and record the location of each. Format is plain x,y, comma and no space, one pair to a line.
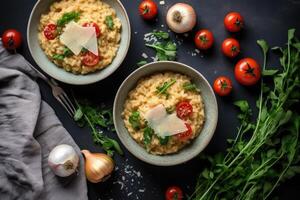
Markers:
86,82
194,153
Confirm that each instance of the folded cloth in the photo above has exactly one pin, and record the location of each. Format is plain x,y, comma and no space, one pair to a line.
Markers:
29,130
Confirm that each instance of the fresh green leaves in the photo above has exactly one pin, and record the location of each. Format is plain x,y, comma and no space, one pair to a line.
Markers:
97,118
67,17
161,34
148,133
109,22
164,141
264,152
164,88
190,87
141,63
66,53
135,119
164,47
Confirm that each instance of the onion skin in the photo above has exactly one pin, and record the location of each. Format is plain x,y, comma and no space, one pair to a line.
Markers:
181,18
98,166
63,160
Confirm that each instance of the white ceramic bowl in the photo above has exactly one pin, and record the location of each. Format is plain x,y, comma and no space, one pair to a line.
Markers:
41,7
191,150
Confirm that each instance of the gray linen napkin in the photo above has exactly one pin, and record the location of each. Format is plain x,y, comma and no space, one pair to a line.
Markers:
29,130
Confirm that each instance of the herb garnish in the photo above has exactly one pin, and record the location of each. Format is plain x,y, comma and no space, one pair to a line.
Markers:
67,17
163,89
164,50
190,87
163,141
97,118
67,52
141,63
134,120
161,34
253,168
109,22
148,133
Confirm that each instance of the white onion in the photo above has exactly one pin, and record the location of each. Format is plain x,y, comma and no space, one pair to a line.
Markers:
63,160
181,18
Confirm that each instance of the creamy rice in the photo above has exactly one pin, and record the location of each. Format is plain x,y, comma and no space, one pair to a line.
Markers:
145,96
90,11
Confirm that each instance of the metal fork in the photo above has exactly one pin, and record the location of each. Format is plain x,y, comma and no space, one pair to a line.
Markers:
59,94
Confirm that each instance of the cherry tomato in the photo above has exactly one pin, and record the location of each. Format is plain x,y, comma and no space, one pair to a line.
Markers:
204,39
223,86
231,47
234,22
148,9
174,193
12,39
187,134
50,31
184,109
89,59
247,71
98,31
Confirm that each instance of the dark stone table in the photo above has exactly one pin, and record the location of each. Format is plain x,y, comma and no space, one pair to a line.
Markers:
134,179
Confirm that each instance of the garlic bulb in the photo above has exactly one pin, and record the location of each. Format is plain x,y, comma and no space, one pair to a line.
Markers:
98,166
63,160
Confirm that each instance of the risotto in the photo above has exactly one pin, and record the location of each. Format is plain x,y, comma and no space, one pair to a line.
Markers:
85,13
159,103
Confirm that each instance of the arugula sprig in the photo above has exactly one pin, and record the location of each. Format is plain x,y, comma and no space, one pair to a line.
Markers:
67,17
265,152
109,22
135,120
164,88
161,34
190,87
66,53
97,118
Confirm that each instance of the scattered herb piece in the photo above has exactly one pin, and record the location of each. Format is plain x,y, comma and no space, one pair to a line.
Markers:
134,120
190,87
164,141
66,53
97,118
163,89
141,63
161,34
67,17
264,153
109,22
164,51
148,133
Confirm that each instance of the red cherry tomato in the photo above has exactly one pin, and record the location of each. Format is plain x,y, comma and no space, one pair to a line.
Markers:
98,31
11,39
204,39
148,9
223,86
174,193
247,71
184,109
50,31
187,134
89,59
231,47
234,22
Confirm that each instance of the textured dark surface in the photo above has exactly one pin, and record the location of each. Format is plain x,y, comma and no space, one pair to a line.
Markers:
265,19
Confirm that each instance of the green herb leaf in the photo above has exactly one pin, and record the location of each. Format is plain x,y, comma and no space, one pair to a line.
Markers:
67,17
164,51
161,34
243,105
134,120
190,87
58,57
264,46
269,72
141,63
163,89
109,22
164,141
78,115
148,133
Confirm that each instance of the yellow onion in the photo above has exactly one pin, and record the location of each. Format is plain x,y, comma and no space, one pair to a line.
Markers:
98,166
